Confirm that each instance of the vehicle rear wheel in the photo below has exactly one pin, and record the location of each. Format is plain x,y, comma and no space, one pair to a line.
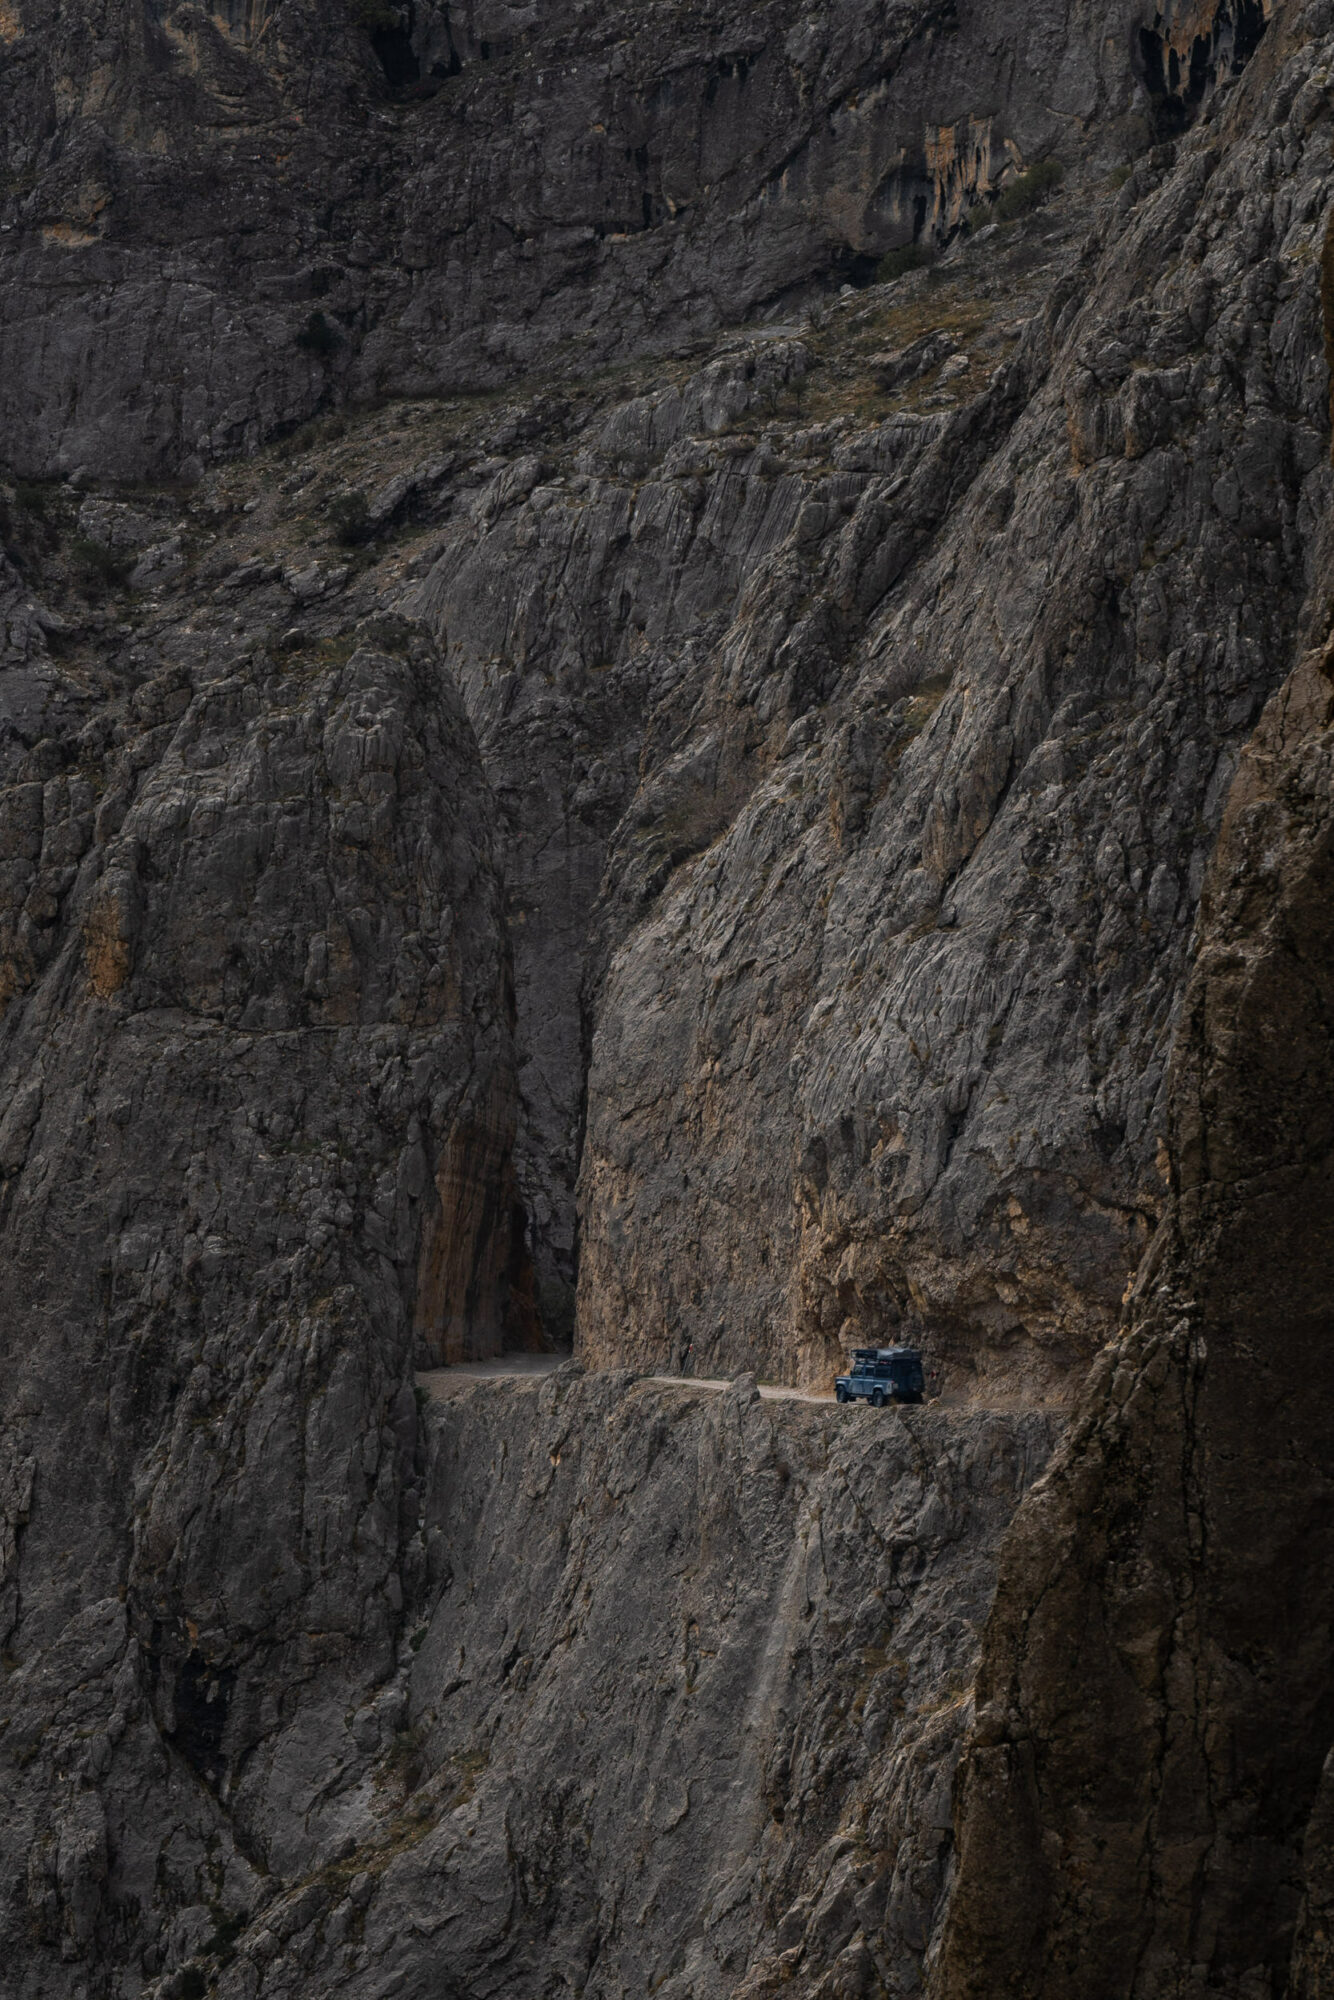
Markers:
878,1399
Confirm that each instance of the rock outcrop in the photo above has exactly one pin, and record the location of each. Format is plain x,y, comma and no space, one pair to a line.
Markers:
255,986
1143,1808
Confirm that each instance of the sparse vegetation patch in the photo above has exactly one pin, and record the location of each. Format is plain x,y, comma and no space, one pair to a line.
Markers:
97,566
897,263
1029,190
349,516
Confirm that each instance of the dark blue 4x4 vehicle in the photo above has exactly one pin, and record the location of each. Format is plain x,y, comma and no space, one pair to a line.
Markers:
883,1375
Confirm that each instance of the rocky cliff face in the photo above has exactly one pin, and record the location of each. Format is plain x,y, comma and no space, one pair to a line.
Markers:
682,791
684,1684
256,991
1167,1830
847,902
984,725
218,222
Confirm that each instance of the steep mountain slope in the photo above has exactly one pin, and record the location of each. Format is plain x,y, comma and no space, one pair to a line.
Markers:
214,223
684,1707
722,831
894,923
1143,1808
903,1031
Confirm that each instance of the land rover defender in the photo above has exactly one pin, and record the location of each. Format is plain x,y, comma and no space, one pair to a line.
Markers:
883,1375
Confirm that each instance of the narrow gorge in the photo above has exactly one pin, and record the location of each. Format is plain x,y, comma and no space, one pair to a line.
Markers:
666,709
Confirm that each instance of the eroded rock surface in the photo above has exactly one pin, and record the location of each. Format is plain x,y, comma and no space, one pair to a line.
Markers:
1143,1809
890,1054
858,703
214,223
727,830
681,1711
255,989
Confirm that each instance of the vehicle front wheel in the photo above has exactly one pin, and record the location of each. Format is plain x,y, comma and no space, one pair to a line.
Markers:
877,1399
841,1394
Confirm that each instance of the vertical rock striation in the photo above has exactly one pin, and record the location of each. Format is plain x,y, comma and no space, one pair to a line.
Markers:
681,1710
256,984
890,1053
1141,1808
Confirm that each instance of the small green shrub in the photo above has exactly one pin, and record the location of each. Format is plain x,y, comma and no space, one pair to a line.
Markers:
404,1761
1029,190
319,335
30,519
350,518
96,565
1120,175
192,1985
228,1926
390,630
896,263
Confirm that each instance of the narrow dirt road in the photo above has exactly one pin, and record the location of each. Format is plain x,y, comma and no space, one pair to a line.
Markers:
442,1383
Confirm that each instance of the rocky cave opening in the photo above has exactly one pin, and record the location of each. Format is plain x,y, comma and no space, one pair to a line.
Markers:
1179,72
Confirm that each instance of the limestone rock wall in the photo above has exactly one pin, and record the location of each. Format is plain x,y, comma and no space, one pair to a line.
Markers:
254,979
679,1705
858,758
217,223
764,740
1142,1806
890,1054
727,829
